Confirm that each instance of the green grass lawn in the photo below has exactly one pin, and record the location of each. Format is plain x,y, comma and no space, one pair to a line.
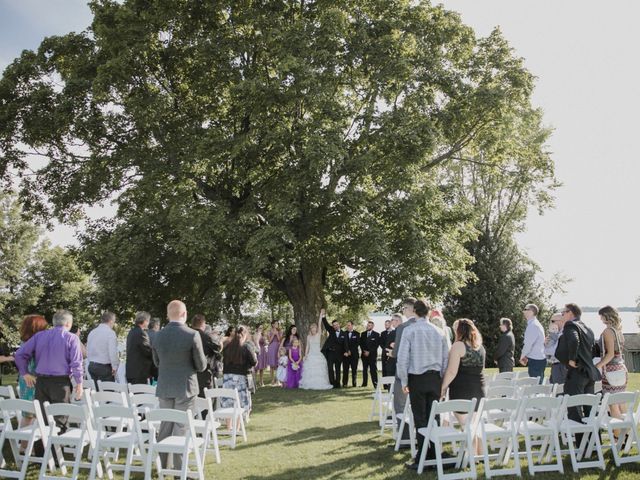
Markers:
326,435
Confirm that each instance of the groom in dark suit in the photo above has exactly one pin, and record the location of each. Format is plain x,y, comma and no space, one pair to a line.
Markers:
369,343
351,360
334,349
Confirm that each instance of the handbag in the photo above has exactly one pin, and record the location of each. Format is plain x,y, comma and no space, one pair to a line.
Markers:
616,378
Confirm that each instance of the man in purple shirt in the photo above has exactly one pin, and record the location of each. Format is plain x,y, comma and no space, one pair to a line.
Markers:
58,357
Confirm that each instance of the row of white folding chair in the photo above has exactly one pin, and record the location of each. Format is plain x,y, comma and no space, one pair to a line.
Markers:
6,392
519,392
406,421
517,382
125,387
510,375
233,417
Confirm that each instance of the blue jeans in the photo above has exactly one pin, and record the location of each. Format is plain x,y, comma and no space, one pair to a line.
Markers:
536,368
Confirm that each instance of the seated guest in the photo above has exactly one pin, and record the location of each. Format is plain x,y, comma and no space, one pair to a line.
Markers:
503,356
139,357
238,359
464,377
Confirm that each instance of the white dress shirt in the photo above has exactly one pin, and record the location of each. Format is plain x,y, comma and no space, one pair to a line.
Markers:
102,346
534,340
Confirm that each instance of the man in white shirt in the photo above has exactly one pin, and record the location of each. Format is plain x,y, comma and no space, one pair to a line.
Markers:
102,350
533,355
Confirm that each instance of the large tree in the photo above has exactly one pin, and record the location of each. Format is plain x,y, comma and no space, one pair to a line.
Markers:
301,144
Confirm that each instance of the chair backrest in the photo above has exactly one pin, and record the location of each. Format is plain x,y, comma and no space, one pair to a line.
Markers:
108,398
143,400
536,390
223,393
389,380
76,414
583,400
522,374
559,389
499,382
503,391
10,407
539,409
169,415
449,407
7,392
202,405
526,381
626,400
504,376
504,408
89,383
136,388
106,415
112,387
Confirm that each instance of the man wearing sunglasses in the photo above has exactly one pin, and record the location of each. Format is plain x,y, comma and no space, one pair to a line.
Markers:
533,356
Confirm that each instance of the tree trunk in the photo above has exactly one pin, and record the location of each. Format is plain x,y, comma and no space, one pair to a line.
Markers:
305,291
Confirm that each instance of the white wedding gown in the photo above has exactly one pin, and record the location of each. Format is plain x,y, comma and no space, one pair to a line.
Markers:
315,374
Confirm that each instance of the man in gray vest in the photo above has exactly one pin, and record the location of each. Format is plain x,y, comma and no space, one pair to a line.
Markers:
399,397
178,354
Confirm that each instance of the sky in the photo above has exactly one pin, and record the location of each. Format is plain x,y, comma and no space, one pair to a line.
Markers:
584,55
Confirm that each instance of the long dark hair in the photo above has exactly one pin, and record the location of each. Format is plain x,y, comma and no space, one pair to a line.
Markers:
290,332
232,352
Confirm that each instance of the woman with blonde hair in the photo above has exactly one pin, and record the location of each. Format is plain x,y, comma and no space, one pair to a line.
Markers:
614,371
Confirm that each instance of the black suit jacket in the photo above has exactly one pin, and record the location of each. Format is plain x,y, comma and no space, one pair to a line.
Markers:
370,344
576,343
504,351
139,357
353,342
333,343
383,343
212,353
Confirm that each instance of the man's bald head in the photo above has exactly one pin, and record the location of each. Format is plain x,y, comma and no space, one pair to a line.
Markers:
177,311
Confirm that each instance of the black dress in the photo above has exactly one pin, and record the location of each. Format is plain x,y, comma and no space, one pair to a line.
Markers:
469,382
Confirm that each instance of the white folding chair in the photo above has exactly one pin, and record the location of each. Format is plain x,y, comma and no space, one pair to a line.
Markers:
459,435
507,391
206,427
406,421
588,427
110,442
626,426
79,434
136,388
537,419
536,391
504,376
112,387
525,381
522,374
380,398
30,434
499,382
6,392
502,435
89,383
235,413
559,389
184,445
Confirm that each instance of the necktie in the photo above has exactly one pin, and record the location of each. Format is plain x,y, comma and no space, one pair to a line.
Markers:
368,334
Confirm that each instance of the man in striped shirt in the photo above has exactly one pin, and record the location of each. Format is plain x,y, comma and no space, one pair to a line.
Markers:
422,360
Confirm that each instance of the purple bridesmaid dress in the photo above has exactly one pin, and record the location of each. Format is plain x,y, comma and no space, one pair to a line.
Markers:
293,376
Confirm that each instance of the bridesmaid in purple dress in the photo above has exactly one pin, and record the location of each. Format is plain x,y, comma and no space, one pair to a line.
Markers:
263,360
294,369
287,340
274,337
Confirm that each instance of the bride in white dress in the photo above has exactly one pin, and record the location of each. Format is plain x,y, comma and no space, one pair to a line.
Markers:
315,374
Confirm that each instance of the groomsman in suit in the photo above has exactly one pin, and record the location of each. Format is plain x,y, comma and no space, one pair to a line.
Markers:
179,356
139,356
369,343
334,349
351,360
383,344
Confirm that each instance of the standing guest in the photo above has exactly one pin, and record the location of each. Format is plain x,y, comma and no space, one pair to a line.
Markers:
178,354
334,348
369,343
287,340
154,328
263,356
574,351
351,358
274,337
77,332
464,377
422,360
383,345
31,324
228,335
294,366
614,371
503,356
58,359
102,350
399,396
211,351
238,359
438,321
533,356
139,355
558,370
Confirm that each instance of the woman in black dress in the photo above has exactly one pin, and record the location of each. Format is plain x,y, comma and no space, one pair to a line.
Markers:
464,377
